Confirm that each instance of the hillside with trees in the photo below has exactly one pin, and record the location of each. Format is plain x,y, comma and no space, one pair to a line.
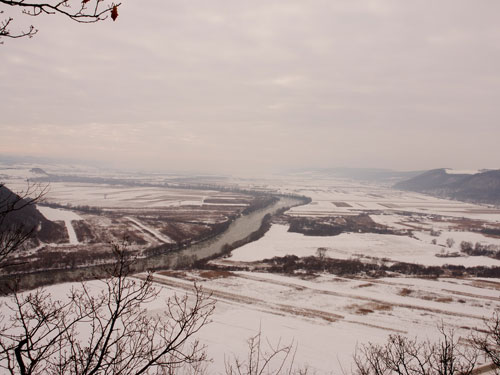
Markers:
482,187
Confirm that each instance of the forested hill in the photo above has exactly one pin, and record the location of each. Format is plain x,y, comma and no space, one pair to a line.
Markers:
482,187
27,219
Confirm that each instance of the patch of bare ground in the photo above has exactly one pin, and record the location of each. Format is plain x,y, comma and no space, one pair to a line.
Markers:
412,226
215,274
341,204
443,299
483,210
84,232
486,284
132,234
389,205
176,274
364,285
369,308
405,292
182,275
307,276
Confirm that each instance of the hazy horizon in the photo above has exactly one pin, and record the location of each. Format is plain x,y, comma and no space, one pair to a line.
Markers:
232,87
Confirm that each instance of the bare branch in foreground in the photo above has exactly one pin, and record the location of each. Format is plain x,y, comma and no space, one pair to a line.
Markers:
105,332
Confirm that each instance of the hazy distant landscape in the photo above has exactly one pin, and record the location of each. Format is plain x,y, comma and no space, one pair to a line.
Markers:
351,261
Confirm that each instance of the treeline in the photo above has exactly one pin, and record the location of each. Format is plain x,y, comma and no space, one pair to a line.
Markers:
479,249
83,208
490,231
291,264
334,226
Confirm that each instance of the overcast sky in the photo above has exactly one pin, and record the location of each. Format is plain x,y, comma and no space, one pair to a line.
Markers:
259,86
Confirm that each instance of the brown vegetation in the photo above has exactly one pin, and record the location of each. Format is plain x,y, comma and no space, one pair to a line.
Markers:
215,274
335,225
369,308
84,232
341,204
405,292
292,264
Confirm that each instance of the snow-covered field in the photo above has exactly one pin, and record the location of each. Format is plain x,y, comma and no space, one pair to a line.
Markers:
123,197
324,315
279,242
332,315
329,316
106,195
353,198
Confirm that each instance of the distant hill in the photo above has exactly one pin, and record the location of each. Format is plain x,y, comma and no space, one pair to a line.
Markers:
38,171
377,175
481,187
29,218
373,174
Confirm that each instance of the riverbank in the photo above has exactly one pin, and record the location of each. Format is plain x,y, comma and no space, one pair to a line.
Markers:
239,231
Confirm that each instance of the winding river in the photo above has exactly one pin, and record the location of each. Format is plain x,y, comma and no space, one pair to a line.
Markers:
238,230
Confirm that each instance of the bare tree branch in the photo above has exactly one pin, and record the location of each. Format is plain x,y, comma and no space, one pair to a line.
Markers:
272,359
106,332
404,356
84,11
489,343
14,234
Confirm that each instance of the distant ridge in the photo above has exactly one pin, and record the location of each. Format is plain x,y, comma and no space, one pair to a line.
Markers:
481,187
38,171
362,174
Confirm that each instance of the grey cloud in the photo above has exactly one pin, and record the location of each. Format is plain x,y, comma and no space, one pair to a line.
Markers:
264,85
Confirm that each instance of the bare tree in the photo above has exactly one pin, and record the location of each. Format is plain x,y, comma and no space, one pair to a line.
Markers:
489,343
275,359
14,234
82,11
105,332
404,356
450,242
321,252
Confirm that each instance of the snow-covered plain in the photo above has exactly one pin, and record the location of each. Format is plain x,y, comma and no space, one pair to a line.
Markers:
344,198
371,309
326,317
279,242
